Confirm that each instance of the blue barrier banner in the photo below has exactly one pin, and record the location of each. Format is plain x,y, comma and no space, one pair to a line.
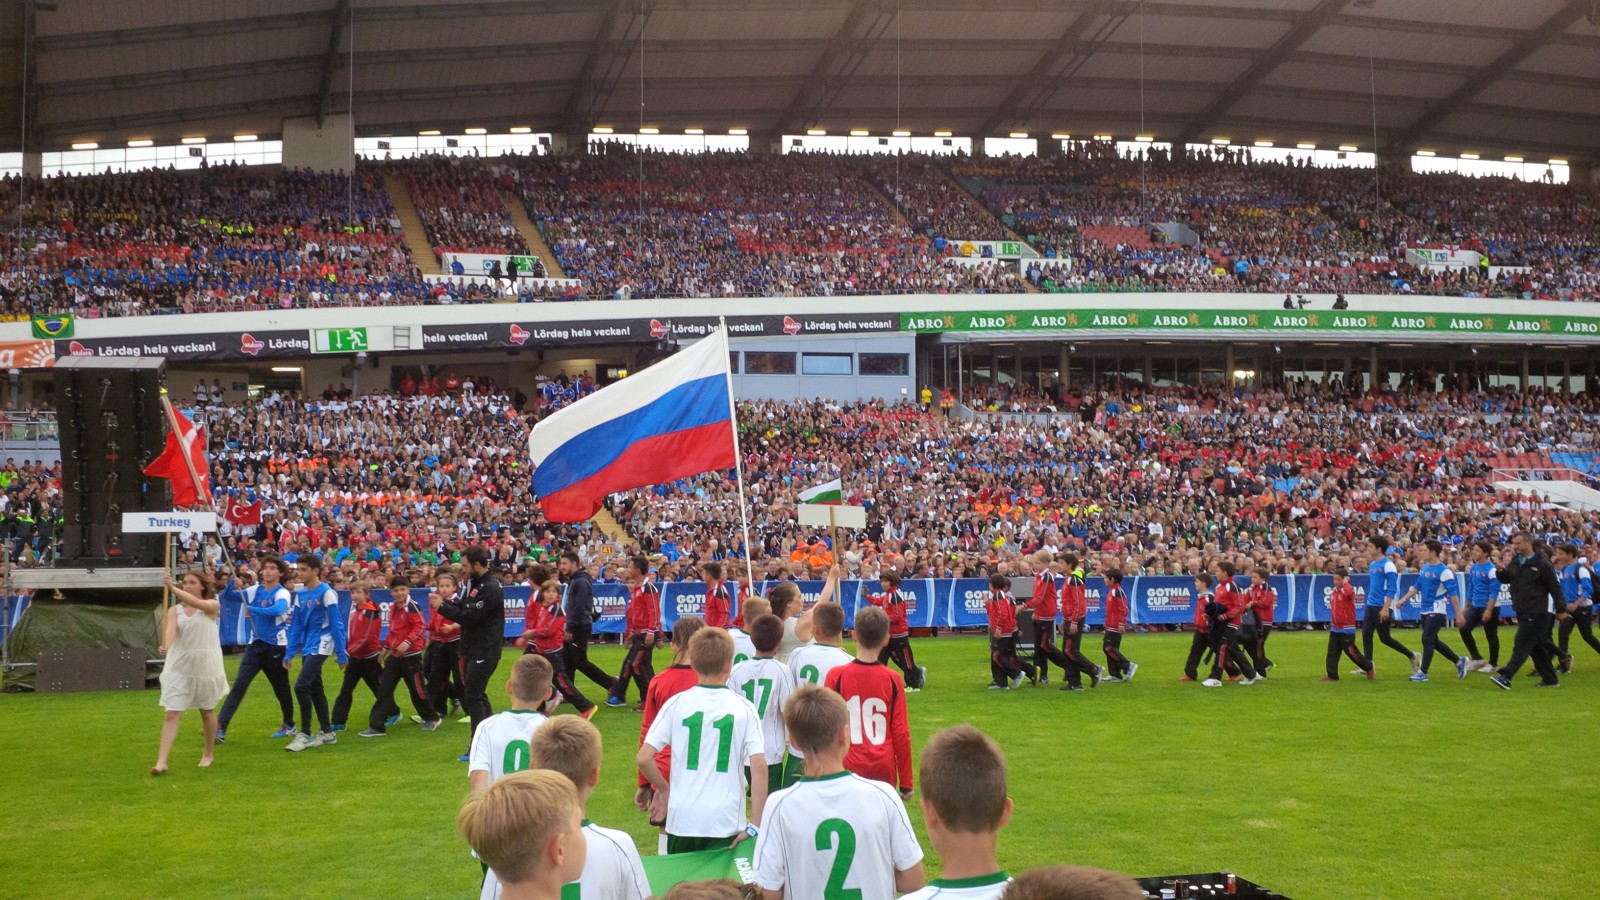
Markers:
937,603
1161,599
9,621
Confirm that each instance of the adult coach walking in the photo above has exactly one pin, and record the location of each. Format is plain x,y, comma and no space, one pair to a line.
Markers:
480,610
1535,597
579,607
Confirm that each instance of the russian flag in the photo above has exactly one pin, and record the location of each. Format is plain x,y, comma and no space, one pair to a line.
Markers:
673,420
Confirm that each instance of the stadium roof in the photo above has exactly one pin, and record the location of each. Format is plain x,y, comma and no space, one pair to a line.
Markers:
1451,75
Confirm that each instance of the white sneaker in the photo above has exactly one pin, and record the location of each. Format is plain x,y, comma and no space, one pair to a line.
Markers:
301,742
1211,682
1111,679
1016,682
1250,680
1358,671
326,737
1133,669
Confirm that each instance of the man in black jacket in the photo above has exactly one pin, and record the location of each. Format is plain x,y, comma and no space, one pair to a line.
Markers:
480,610
580,620
1535,596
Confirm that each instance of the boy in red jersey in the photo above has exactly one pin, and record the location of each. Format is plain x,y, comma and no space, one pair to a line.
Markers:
1204,602
1045,609
643,621
1118,667
718,607
365,647
546,635
1233,602
894,602
880,732
1074,613
1263,602
1342,627
673,680
402,662
1005,669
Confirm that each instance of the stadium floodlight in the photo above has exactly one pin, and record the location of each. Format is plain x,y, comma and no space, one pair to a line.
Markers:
1019,135
476,131
1219,139
1104,137
1060,136
287,369
694,131
194,139
1469,156
602,129
1348,148
1425,153
1514,159
1305,145
243,138
649,129
521,129
141,142
1263,143
431,132
859,132
816,132
901,132
943,134
1558,162
738,131
1144,138
86,145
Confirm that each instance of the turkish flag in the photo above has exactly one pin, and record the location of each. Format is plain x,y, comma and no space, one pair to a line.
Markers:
241,513
188,439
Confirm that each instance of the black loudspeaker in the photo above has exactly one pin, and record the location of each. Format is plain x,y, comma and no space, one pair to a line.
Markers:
111,428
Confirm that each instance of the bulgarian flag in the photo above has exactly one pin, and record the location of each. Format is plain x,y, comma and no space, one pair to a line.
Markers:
828,494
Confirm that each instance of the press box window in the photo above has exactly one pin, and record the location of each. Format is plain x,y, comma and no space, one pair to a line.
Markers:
826,364
885,364
758,363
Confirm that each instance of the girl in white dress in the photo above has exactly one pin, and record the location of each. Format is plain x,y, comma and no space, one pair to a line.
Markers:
193,677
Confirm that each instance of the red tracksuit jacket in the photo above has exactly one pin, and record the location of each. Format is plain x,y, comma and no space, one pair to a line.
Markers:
893,603
1074,599
1116,611
1002,612
405,627
549,627
644,609
1233,600
1342,607
366,629
718,607
880,733
1044,605
1264,600
668,683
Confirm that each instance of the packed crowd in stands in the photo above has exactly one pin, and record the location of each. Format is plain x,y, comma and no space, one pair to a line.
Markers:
1294,478
725,224
626,223
461,203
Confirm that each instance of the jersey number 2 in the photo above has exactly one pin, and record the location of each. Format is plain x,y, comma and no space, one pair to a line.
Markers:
843,858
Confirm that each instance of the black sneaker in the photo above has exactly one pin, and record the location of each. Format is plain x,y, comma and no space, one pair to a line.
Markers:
1095,677
1566,665
1501,682
1072,687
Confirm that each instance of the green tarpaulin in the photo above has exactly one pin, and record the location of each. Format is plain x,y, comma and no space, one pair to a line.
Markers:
49,624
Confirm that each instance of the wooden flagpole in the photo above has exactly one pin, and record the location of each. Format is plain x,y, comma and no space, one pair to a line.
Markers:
738,464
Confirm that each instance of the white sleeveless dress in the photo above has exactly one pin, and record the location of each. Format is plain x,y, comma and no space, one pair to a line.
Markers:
193,677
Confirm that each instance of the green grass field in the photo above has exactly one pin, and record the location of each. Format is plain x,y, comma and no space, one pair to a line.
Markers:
1356,789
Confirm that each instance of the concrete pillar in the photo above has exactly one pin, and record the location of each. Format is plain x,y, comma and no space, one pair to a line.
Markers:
1227,363
1372,367
766,143
1582,174
326,147
33,164
1066,365
1049,147
1524,370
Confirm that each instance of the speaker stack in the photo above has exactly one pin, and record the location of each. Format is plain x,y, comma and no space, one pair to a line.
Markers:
111,428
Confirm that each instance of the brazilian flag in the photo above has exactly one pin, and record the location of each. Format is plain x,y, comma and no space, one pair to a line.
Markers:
54,327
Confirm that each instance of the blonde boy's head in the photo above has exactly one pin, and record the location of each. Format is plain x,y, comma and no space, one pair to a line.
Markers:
711,652
527,826
530,679
569,745
814,718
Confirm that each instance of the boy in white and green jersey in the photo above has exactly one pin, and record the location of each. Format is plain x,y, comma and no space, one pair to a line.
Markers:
767,684
500,745
810,664
834,834
713,733
612,869
964,805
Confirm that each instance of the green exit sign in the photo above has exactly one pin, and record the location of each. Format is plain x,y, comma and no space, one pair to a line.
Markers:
338,340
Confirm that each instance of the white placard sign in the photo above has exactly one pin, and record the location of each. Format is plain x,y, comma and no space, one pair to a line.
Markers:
824,515
169,522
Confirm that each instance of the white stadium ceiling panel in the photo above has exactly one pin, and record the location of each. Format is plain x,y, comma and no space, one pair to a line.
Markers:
1389,43
1421,83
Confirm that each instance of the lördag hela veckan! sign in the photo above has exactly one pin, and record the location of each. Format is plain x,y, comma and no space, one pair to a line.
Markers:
1286,321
